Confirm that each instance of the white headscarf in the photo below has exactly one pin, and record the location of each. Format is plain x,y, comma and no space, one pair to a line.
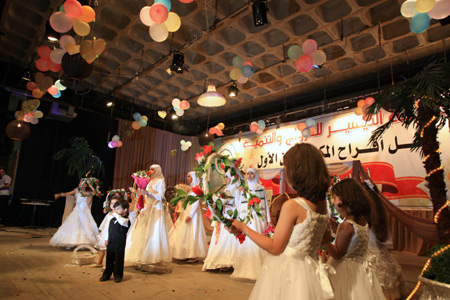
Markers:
232,187
254,183
158,173
195,179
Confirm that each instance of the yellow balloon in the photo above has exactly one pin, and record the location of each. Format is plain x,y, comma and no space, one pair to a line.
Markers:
81,28
88,14
423,6
358,111
221,126
173,22
235,74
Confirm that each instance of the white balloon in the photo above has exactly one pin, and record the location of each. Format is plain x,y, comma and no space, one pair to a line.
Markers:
144,15
319,57
59,85
180,112
159,32
408,9
176,102
56,55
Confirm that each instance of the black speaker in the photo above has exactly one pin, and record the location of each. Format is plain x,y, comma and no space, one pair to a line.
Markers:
259,9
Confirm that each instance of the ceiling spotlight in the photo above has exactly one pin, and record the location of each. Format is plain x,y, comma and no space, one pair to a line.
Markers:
169,71
259,9
233,90
109,104
52,39
177,62
174,117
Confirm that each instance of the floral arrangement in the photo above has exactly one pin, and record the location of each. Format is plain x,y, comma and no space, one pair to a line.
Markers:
123,193
93,183
141,179
269,232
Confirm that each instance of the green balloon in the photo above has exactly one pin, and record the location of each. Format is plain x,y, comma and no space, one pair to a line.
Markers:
294,52
61,8
238,62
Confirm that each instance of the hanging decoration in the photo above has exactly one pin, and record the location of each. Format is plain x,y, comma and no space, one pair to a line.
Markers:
115,142
211,98
307,128
362,107
242,70
217,129
185,145
162,114
180,106
44,63
73,15
258,127
422,11
160,20
139,121
173,153
29,112
307,55
17,130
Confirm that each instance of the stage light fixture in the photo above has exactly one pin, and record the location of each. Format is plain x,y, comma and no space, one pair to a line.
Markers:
52,39
109,104
233,90
259,9
177,62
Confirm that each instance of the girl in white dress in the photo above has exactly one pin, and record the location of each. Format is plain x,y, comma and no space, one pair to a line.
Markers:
249,256
291,269
187,237
223,244
79,228
354,279
148,244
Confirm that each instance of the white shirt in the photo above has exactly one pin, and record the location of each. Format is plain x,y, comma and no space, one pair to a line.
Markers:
4,181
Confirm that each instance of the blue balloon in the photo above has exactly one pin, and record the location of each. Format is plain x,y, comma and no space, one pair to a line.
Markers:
306,133
136,116
419,23
166,3
247,71
310,123
57,95
143,122
261,124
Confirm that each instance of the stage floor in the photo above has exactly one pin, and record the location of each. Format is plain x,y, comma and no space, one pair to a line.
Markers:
32,269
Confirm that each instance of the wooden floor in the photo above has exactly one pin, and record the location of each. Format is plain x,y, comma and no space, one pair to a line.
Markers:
32,269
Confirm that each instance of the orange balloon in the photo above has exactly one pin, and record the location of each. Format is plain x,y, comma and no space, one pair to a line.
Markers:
119,144
37,93
312,130
88,14
136,125
361,103
301,126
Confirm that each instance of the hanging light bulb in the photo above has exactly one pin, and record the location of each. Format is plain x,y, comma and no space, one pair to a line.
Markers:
211,98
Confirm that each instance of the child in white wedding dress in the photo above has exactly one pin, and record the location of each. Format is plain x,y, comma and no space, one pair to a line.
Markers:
79,228
291,270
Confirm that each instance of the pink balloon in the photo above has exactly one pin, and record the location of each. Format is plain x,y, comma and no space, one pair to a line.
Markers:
54,67
44,52
304,63
219,132
259,131
365,109
440,10
53,90
114,144
159,13
309,46
66,39
31,85
42,64
369,101
212,130
254,127
60,22
73,8
184,105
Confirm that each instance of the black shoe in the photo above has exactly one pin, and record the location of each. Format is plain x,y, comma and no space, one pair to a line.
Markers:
117,280
103,278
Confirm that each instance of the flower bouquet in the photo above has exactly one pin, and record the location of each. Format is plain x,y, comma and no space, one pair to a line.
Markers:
141,179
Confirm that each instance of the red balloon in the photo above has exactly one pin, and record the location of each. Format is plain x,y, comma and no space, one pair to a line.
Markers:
159,13
186,1
304,63
53,90
31,85
44,52
73,8
54,67
42,64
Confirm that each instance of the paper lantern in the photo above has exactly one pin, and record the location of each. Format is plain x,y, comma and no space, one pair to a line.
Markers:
73,8
235,74
440,10
211,98
81,28
301,126
136,125
242,80
53,90
44,51
31,85
56,55
306,133
60,22
173,22
184,104
205,138
319,57
304,63
424,6
75,66
144,15
247,71
408,9
66,39
159,32
309,46
166,3
310,122
42,64
88,14
17,130
369,101
419,23
159,13
294,52
238,62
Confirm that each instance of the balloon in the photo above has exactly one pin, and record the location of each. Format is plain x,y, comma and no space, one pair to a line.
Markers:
119,144
66,39
144,15
73,8
61,8
88,14
419,23
306,133
238,62
136,125
184,105
235,74
247,63
304,63
440,10
319,57
56,55
54,67
261,124
221,126
424,6
27,118
294,52
186,1
81,28
309,46
59,85
180,112
37,93
259,131
247,71
110,145
358,111
369,101
301,126
408,9
159,32
42,64
219,132
361,103
310,122
44,52
212,130
176,102
19,115
166,3
142,122
53,90
159,13
144,117
31,85
173,22
242,80
365,109
34,120
38,114
57,95
114,144
116,137
60,22
136,116
254,127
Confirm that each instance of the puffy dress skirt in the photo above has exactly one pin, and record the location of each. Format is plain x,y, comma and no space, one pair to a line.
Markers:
221,250
103,232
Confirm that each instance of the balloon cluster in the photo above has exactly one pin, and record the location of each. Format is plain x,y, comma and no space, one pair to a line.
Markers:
362,106
160,19
115,142
258,127
242,70
185,145
217,129
43,84
179,106
307,55
49,60
307,128
422,11
29,112
139,121
72,14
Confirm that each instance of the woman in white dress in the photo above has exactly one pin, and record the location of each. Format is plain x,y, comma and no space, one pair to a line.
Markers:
187,237
79,228
223,244
148,244
291,269
249,257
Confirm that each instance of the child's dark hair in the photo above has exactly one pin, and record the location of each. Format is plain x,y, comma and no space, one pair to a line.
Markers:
117,197
378,217
123,203
354,196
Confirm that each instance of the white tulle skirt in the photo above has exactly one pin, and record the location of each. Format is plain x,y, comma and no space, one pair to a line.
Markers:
221,250
103,232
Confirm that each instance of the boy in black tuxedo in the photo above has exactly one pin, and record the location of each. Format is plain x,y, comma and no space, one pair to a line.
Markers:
117,236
